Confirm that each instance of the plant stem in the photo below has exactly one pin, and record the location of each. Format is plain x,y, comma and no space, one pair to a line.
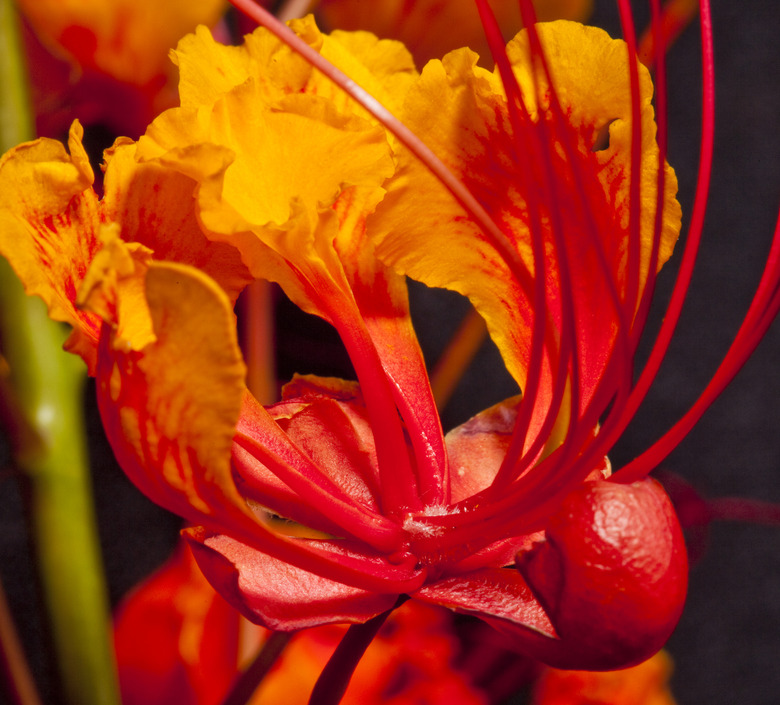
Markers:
250,679
47,388
334,679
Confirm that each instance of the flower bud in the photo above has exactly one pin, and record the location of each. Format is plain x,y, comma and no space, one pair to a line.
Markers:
611,573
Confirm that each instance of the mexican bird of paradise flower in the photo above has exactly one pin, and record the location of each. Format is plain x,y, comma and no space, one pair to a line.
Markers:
550,206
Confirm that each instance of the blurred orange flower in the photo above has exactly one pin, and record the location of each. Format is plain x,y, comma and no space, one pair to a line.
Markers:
177,641
106,61
431,28
643,684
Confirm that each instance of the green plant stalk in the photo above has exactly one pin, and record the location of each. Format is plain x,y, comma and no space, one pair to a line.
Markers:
47,387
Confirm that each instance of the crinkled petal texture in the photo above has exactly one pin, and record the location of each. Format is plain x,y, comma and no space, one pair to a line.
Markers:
553,171
55,232
287,170
126,39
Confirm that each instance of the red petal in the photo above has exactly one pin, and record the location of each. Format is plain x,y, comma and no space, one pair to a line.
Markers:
277,595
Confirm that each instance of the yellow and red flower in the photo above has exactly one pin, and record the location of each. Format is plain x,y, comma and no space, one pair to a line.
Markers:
552,210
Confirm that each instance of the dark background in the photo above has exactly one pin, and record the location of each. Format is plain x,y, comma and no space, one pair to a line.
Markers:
727,645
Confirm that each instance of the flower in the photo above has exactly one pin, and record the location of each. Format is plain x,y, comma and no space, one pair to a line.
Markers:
177,639
644,684
565,212
108,58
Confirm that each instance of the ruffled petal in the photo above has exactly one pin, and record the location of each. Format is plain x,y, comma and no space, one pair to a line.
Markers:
154,206
303,230
461,112
49,227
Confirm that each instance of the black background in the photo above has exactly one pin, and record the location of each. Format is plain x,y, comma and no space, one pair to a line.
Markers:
727,645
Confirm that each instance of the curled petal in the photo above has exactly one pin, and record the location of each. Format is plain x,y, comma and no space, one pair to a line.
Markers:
611,573
49,227
114,289
154,206
170,410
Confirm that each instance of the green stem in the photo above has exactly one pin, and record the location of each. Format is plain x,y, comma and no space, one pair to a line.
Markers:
47,385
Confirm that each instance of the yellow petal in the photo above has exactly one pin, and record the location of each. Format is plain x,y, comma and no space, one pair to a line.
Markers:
460,111
49,229
114,289
155,206
273,151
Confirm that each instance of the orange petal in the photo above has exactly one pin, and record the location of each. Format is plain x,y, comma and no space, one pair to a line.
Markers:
155,206
170,410
644,684
176,639
49,226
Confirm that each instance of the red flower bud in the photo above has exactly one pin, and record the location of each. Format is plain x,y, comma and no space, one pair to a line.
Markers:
611,573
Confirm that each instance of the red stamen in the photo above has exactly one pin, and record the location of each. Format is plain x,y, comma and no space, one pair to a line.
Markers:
317,490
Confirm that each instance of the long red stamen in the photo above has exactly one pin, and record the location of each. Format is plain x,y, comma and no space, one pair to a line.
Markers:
693,241
310,485
761,314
